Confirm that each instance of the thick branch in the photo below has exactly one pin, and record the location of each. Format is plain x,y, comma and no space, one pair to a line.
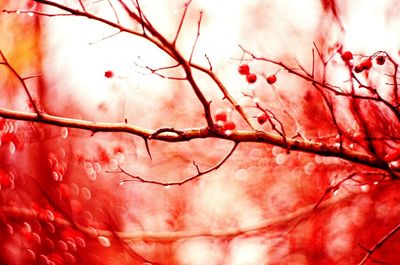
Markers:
238,136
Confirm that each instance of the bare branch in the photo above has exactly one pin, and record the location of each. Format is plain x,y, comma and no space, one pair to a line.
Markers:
197,38
37,13
209,63
105,38
179,183
189,134
22,81
270,117
163,130
83,7
113,9
379,244
186,6
141,17
169,49
156,71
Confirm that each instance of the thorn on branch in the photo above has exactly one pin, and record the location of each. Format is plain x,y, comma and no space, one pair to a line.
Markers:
146,143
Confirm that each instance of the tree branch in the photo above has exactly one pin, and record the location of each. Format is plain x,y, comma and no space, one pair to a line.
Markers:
179,183
313,147
379,244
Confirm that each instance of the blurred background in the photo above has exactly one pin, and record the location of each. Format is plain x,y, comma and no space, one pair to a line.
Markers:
60,173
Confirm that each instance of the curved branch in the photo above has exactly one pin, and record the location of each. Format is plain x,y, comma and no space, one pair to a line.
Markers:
179,183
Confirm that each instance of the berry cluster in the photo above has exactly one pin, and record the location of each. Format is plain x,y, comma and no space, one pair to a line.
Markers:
221,116
365,64
251,78
244,69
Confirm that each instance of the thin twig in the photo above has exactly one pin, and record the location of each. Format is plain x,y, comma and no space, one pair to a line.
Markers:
22,81
197,37
186,6
379,244
179,183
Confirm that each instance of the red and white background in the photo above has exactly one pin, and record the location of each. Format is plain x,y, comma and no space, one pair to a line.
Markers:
132,132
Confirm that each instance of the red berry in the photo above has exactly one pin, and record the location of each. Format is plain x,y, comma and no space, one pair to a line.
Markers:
251,78
271,78
347,56
108,74
244,69
262,118
357,69
380,60
366,64
220,115
229,125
